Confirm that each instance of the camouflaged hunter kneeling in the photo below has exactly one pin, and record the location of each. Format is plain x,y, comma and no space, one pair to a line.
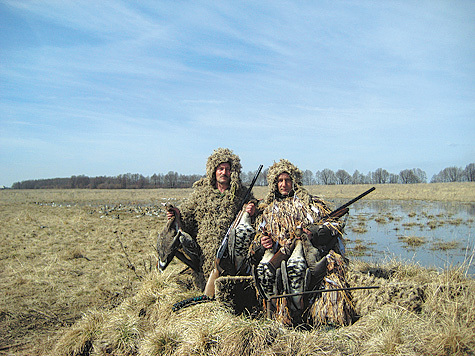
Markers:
298,247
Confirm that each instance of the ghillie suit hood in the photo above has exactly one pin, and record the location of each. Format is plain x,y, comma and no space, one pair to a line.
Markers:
284,166
224,155
208,213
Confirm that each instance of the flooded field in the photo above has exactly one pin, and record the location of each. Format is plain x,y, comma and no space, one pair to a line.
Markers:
432,234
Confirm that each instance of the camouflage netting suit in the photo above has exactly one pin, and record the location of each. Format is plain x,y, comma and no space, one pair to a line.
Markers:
284,218
207,213
281,215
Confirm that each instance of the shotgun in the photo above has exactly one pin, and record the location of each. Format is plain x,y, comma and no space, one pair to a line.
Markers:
218,270
342,210
280,255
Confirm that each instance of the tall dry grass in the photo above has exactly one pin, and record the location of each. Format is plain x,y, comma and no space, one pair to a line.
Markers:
70,288
145,324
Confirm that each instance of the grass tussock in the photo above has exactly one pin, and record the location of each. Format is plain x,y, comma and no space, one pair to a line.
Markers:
359,230
78,339
413,241
441,323
445,245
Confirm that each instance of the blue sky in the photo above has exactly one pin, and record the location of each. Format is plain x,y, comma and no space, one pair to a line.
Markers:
112,87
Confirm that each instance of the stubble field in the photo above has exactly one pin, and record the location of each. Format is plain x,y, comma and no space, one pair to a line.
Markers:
65,254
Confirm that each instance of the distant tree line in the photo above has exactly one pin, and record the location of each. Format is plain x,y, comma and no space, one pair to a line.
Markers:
122,181
323,177
455,174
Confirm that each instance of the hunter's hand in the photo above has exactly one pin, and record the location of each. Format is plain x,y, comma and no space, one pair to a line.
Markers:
266,241
251,209
172,213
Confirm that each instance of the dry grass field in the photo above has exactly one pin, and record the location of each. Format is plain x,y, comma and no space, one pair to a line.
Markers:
463,192
78,277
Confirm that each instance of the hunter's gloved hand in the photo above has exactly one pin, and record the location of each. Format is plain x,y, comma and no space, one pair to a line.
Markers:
321,235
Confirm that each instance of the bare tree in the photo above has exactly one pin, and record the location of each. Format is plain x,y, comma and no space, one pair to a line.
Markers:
357,178
156,180
449,174
307,178
453,174
141,181
342,177
470,172
409,176
326,177
82,181
380,176
262,180
246,177
420,174
393,178
171,179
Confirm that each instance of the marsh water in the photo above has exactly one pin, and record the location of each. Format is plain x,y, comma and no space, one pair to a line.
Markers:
428,233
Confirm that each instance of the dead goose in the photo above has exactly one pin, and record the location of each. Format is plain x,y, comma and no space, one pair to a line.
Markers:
174,242
238,244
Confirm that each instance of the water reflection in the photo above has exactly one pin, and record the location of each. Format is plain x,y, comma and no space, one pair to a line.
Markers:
432,234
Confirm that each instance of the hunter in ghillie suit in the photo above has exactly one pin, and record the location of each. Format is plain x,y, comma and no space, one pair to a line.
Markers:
213,205
298,248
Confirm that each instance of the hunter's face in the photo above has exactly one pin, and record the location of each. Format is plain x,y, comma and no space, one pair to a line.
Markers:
223,173
284,184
